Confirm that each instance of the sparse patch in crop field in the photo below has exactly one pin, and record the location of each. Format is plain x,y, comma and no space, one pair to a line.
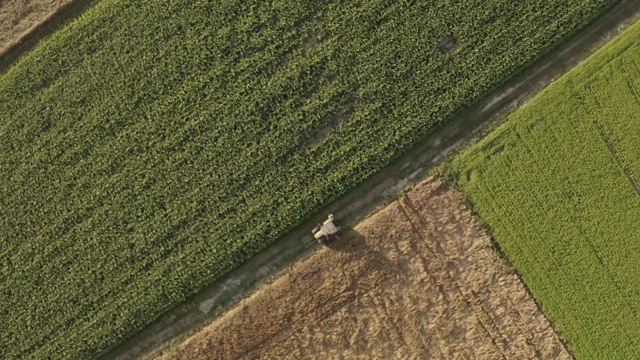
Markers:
149,147
417,280
19,17
448,44
562,199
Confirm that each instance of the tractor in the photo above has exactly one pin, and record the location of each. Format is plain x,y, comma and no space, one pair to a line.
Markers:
323,232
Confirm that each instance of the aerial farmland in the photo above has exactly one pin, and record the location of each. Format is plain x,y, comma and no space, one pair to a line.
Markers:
558,185
149,149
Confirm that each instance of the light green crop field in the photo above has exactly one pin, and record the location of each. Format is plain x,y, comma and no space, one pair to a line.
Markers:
559,186
151,146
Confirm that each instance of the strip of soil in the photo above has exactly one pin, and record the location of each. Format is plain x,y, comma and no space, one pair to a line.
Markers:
23,23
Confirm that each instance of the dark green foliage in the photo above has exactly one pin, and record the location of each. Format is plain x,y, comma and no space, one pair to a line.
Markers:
151,146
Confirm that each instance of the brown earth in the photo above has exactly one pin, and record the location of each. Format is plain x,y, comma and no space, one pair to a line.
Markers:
19,17
417,280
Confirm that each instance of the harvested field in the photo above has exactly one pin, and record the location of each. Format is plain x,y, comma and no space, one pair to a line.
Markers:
20,17
419,279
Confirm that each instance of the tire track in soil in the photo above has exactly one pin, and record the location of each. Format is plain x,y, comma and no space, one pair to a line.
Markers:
493,315
488,315
407,208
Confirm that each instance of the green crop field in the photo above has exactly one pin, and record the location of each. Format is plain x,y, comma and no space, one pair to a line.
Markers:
151,146
559,186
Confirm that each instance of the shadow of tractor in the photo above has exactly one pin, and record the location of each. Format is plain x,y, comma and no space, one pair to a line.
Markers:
347,240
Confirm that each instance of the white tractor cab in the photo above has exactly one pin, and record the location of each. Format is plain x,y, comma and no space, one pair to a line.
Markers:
324,231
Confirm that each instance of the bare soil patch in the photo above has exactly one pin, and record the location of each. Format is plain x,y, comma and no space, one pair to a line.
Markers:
19,17
419,279
311,41
448,44
324,131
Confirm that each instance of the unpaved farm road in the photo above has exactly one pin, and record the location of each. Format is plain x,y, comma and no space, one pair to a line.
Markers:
18,18
380,189
23,23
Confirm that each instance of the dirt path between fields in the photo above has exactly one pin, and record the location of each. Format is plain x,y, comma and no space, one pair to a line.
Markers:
18,18
174,326
23,23
417,280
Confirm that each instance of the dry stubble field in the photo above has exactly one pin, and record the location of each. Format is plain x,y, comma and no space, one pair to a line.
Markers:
419,279
19,17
